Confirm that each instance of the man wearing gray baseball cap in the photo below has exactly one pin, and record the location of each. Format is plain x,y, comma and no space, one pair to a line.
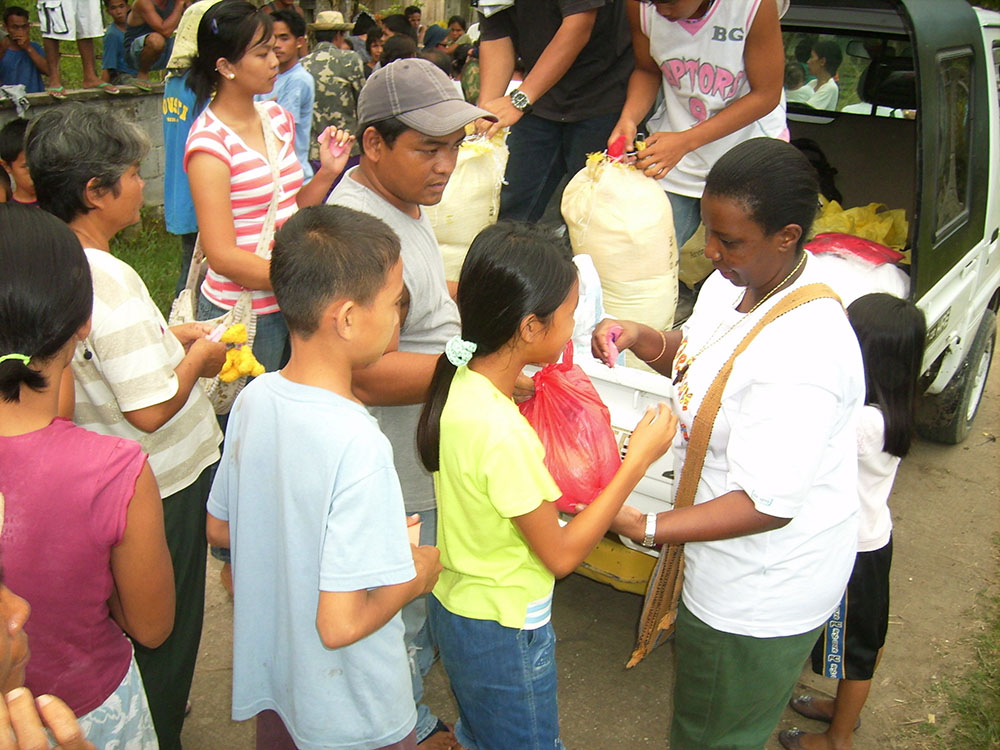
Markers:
411,122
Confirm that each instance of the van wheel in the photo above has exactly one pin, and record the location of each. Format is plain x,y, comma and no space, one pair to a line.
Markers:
947,417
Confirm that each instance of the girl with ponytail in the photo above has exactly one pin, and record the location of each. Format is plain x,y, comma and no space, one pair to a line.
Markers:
81,522
501,542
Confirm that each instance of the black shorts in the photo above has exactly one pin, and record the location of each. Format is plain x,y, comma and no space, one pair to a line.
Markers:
848,647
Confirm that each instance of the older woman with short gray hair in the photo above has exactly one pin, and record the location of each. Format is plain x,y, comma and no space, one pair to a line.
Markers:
134,376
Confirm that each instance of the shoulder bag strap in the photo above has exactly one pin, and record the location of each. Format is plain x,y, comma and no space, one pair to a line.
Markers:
273,149
659,610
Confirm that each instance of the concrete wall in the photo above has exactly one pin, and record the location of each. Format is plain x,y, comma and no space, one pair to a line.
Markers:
132,104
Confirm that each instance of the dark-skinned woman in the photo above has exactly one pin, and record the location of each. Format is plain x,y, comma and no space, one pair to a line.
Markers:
770,536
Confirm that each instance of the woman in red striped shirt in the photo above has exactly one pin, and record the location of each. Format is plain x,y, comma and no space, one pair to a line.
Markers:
232,179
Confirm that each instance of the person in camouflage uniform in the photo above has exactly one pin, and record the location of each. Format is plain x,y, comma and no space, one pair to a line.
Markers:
339,76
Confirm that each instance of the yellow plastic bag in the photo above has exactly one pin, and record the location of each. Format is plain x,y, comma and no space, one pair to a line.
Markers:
873,222
623,220
471,201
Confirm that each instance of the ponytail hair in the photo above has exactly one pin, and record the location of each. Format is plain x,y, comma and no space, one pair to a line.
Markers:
512,271
46,293
891,332
227,30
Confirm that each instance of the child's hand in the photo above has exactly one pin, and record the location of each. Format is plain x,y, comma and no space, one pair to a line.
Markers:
524,388
427,561
652,436
334,149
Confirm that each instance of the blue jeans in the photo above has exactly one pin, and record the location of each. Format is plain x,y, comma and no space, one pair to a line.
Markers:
504,681
542,152
687,216
418,637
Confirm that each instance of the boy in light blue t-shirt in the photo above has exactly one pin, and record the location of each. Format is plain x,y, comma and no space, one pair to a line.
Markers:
307,499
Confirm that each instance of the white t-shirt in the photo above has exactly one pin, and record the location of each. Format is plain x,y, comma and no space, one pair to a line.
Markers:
825,96
703,73
133,356
786,435
876,473
313,503
802,94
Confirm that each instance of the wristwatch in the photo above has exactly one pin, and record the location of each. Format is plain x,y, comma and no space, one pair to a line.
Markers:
647,541
520,101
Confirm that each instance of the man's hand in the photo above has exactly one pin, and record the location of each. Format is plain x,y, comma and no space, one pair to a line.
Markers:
507,115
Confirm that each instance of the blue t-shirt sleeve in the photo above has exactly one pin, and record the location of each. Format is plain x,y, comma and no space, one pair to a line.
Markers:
365,544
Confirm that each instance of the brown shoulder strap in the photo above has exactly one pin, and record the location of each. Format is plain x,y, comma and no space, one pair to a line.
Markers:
659,610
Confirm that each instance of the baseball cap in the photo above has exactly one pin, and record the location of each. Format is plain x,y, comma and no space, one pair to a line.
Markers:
418,94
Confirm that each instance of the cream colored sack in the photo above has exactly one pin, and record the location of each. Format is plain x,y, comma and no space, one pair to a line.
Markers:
471,201
623,220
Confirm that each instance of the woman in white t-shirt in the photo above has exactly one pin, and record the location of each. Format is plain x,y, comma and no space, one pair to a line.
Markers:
823,62
891,332
720,65
232,179
771,536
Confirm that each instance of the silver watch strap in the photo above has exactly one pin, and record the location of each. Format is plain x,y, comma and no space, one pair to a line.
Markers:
647,540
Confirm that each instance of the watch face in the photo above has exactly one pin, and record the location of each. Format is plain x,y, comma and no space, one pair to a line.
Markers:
519,99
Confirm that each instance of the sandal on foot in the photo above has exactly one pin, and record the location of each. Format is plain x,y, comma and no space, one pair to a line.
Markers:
805,705
791,739
56,92
440,728
141,84
108,88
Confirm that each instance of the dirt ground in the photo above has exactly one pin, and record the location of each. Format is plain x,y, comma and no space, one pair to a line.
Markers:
946,511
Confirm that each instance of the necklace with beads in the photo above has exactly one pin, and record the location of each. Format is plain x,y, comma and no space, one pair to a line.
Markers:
716,337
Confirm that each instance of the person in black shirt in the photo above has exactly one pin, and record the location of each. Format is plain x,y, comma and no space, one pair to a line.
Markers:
577,56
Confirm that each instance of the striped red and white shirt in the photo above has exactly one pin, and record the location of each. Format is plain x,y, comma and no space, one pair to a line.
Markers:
251,185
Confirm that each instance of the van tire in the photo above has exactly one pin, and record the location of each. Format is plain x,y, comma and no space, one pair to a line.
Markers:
947,417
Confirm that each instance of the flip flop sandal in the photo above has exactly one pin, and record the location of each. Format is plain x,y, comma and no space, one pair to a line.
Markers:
56,92
108,88
141,84
791,739
805,705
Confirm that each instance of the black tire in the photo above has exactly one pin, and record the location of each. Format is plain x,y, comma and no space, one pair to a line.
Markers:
947,416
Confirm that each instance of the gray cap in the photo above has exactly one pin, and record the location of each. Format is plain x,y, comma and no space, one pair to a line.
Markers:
419,94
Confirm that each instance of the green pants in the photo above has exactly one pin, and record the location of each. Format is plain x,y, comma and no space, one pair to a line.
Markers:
167,670
730,689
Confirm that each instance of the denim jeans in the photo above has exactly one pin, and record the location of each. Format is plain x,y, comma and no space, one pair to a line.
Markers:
418,638
687,216
504,681
542,152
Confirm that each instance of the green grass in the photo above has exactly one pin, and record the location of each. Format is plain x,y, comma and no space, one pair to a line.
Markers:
154,254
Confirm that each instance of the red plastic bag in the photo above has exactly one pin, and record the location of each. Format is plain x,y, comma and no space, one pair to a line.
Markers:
874,253
574,425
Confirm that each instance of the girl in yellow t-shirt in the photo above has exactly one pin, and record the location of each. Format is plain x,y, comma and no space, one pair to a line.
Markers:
498,528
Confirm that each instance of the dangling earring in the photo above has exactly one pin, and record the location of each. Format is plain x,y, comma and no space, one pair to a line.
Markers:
87,354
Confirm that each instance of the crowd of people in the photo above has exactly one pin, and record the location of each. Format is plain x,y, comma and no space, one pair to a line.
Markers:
376,496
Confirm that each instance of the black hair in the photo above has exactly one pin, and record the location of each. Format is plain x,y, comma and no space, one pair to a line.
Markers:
441,59
326,35
460,21
410,10
829,50
397,24
804,47
363,24
388,129
512,270
459,57
891,332
397,47
296,23
12,139
324,253
107,3
73,146
45,293
795,77
227,30
14,10
772,179
371,40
